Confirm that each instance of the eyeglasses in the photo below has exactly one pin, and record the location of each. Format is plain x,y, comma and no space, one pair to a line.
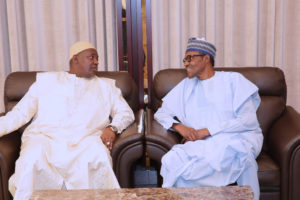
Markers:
189,58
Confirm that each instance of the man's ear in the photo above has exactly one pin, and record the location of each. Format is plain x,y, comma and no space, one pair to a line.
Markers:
207,58
75,59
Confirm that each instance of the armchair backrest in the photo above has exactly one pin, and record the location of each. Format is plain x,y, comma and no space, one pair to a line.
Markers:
269,80
18,83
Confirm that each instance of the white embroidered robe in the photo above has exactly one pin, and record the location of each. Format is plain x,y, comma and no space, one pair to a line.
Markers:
62,143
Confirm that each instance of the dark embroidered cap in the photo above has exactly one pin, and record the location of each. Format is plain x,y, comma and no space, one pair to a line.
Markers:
201,45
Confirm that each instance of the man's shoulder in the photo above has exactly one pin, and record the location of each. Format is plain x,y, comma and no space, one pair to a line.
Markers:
106,82
187,80
230,76
229,73
184,84
236,79
49,76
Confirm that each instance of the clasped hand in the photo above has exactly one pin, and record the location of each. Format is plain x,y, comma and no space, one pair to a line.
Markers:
191,134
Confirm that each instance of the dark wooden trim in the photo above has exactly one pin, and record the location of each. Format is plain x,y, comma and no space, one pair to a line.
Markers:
149,48
120,35
137,47
129,36
140,52
134,41
134,35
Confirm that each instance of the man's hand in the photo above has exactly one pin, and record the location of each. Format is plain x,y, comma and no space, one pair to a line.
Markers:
108,137
188,134
202,134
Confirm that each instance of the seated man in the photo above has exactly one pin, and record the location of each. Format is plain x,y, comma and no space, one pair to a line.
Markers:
215,113
68,143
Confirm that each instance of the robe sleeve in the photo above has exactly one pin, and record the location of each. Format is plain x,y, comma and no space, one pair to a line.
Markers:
21,113
172,110
165,116
121,113
245,103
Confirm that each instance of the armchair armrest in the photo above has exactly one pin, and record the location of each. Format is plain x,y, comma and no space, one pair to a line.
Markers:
9,152
284,145
133,132
158,139
127,149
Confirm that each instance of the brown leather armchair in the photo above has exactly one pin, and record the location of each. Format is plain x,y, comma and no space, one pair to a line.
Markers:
127,149
279,161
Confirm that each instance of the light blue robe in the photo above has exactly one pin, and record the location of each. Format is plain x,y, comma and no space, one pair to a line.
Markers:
226,105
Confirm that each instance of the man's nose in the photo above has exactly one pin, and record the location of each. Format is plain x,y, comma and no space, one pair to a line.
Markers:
96,62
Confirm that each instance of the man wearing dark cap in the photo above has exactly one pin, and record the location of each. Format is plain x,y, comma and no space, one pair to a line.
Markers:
66,146
215,113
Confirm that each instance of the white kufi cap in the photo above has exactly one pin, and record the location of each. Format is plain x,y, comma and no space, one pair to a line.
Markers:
79,47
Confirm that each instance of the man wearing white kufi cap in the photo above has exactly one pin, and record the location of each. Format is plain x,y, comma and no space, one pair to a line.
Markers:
215,113
67,145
